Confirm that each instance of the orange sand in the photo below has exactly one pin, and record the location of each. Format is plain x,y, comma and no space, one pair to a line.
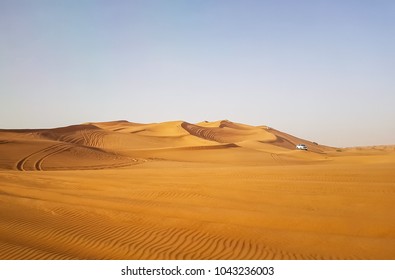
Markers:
175,190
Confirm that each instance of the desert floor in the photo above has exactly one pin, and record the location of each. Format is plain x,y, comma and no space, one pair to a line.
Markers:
215,190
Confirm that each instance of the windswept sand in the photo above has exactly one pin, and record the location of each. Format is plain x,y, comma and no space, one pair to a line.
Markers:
176,190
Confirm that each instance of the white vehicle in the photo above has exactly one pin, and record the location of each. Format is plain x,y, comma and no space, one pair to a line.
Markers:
301,147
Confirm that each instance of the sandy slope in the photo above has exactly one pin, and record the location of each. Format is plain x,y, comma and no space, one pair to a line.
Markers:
175,190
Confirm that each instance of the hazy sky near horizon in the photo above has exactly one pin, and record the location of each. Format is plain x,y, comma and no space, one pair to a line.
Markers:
320,70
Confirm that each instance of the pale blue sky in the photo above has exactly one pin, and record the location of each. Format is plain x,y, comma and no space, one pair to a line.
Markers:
320,70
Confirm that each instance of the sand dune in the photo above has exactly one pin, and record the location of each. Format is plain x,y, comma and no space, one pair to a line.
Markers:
228,132
176,190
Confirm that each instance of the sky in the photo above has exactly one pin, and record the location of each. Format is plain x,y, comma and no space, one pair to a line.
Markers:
320,70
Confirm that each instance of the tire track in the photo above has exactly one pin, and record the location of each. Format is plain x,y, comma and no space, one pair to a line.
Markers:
72,139
93,138
59,149
40,156
20,165
217,134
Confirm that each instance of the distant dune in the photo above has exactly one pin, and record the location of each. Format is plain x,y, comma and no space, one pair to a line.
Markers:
176,190
122,143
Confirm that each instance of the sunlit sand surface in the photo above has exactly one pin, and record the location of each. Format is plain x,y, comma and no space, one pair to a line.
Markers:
176,190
